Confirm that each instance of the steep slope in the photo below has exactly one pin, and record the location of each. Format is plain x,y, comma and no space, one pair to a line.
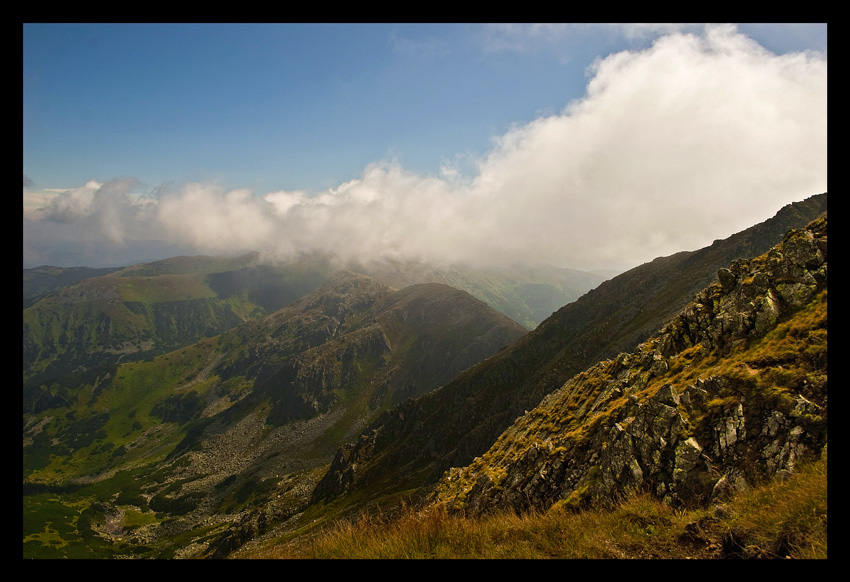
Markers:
729,393
197,437
419,440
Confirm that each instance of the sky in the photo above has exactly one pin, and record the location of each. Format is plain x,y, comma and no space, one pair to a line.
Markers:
582,146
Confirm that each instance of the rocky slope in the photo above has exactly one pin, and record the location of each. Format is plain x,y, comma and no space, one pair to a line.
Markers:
420,439
730,392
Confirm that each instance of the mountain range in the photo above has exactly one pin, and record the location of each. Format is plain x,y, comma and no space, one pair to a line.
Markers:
185,407
78,319
200,426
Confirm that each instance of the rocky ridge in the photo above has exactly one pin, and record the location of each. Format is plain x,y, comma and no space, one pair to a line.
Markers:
730,392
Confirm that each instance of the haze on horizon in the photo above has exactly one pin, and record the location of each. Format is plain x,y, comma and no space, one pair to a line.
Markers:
689,134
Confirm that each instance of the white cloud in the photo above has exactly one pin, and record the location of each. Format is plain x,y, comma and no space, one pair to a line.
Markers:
691,139
74,203
673,146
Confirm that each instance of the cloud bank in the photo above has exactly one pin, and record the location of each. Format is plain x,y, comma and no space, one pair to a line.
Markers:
692,139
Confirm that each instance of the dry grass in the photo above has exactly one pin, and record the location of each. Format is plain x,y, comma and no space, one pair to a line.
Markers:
785,520
775,521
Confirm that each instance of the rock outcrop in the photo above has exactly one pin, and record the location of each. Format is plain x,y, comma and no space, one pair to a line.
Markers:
730,392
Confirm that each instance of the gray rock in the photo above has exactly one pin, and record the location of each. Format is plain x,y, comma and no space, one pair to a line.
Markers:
727,279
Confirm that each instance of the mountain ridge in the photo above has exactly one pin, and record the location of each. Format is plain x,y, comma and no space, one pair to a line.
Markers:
84,321
693,413
527,293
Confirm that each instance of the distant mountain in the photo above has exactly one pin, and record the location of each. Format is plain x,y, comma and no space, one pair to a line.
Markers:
41,281
528,293
147,309
248,417
84,320
449,427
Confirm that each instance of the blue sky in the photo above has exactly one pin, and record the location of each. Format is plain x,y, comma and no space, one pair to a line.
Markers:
301,118
278,106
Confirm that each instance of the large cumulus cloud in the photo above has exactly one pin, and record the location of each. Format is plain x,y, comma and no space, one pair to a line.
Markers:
692,139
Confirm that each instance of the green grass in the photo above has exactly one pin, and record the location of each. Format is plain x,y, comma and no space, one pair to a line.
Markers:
58,527
102,428
57,523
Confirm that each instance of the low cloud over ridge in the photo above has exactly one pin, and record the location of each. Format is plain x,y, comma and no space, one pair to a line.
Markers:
692,139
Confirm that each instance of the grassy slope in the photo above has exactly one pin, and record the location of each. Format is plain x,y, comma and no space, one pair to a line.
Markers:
111,424
152,308
117,314
41,281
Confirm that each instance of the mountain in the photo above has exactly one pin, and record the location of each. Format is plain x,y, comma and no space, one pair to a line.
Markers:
421,439
41,281
357,332
729,393
83,321
143,310
528,293
163,454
